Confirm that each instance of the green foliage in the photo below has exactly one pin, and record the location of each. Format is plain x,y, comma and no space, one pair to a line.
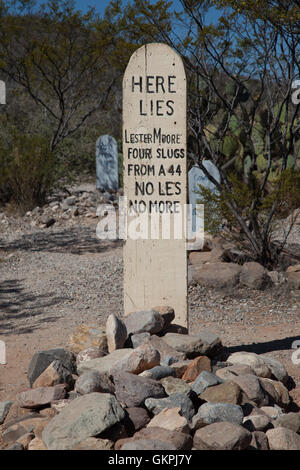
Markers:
230,146
261,162
28,170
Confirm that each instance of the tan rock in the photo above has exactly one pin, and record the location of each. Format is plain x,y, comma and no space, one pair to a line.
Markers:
259,441
218,275
257,422
230,372
116,333
48,413
293,279
37,444
281,395
181,440
55,374
142,358
228,392
200,257
40,427
283,439
25,440
271,411
39,397
254,275
92,443
252,360
222,436
14,431
251,386
293,269
170,419
88,336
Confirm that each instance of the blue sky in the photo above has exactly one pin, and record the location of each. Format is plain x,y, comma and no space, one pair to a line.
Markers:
102,4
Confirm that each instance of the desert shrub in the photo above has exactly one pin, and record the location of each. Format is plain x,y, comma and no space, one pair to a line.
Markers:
28,170
281,199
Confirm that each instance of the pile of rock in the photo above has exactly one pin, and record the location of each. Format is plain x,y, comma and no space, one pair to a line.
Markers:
80,203
66,208
220,265
144,383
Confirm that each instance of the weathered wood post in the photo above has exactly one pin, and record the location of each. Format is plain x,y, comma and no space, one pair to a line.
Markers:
155,181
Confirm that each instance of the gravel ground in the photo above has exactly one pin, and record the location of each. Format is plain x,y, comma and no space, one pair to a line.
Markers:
52,280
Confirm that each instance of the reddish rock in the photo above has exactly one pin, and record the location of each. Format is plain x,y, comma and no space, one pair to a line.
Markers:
195,367
137,418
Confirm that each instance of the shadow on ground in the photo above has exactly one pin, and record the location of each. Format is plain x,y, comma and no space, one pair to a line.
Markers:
18,306
77,240
266,347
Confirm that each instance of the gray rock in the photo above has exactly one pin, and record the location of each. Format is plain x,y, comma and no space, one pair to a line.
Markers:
105,364
4,409
71,200
133,390
89,382
277,369
156,405
85,417
168,360
164,349
116,333
159,372
138,339
148,321
204,380
88,355
210,413
205,343
107,165
42,359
